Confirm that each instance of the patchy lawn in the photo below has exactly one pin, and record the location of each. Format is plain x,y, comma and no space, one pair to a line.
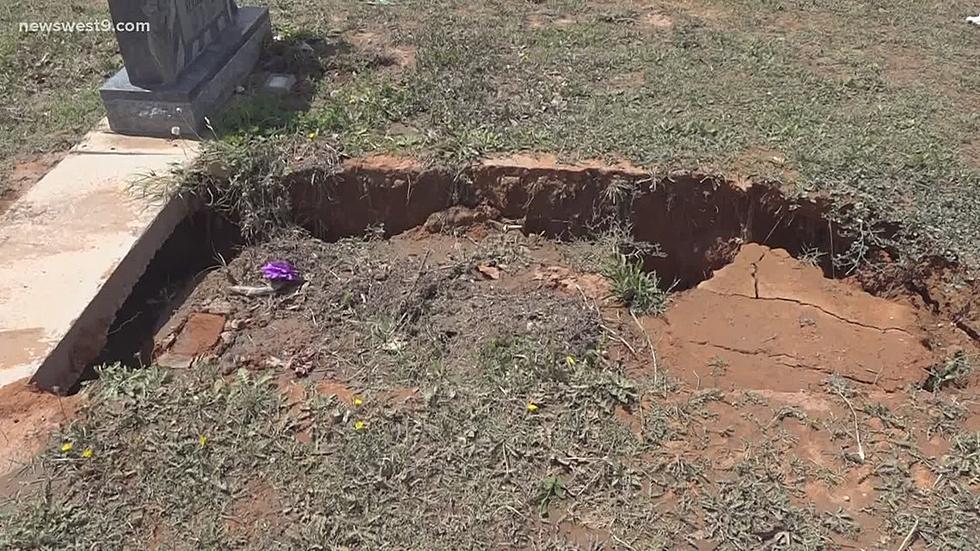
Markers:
49,82
458,391
475,387
871,104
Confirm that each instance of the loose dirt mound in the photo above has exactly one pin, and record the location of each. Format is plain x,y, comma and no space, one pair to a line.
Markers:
483,388
415,296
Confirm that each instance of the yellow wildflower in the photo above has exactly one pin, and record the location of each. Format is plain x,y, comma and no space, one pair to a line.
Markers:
358,402
67,447
570,360
202,440
360,425
532,407
88,453
313,135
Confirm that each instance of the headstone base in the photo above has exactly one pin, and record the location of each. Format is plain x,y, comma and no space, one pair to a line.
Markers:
200,91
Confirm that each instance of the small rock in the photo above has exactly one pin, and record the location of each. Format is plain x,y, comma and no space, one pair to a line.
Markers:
167,342
218,169
489,272
279,84
174,361
200,332
218,306
229,365
459,217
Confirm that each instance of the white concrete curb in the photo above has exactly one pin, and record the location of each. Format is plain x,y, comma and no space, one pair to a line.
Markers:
72,248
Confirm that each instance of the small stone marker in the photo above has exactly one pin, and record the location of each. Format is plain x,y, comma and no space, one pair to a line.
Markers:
279,84
184,67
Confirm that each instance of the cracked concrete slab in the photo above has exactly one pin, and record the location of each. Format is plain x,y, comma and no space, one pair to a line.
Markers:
73,247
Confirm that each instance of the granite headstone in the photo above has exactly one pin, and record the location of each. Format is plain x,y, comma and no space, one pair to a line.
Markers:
183,65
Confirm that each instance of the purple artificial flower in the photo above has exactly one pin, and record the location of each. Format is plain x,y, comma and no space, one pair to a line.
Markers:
280,271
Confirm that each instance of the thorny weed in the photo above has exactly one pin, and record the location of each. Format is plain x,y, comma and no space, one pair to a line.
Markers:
812,256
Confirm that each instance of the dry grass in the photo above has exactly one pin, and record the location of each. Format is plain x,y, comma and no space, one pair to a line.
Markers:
483,419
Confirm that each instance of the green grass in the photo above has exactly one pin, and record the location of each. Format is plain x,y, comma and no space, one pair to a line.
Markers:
189,461
637,289
953,371
870,104
49,82
527,412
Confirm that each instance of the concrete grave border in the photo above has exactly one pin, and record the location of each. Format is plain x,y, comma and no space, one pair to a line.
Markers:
74,246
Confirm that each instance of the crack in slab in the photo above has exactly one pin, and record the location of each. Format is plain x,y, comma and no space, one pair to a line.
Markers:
755,287
757,352
736,288
839,317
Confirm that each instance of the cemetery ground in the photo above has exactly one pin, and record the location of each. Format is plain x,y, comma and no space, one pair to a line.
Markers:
49,88
870,105
763,338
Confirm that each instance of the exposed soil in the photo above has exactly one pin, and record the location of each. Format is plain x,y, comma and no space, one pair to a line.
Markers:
25,173
767,315
397,279
197,244
776,323
259,508
698,221
375,45
477,342
754,345
28,417
971,152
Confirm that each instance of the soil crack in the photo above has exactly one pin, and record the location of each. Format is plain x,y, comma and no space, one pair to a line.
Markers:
814,306
755,287
837,316
755,276
779,358
757,352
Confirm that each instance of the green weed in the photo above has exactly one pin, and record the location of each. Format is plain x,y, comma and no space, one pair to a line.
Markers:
552,490
953,371
635,287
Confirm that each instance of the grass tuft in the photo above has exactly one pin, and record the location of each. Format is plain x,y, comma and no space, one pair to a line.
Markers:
636,288
954,371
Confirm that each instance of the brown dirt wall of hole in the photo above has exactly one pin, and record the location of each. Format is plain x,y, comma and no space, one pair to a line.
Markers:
200,243
698,221
466,293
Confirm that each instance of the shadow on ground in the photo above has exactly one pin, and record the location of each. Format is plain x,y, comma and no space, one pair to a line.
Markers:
258,112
